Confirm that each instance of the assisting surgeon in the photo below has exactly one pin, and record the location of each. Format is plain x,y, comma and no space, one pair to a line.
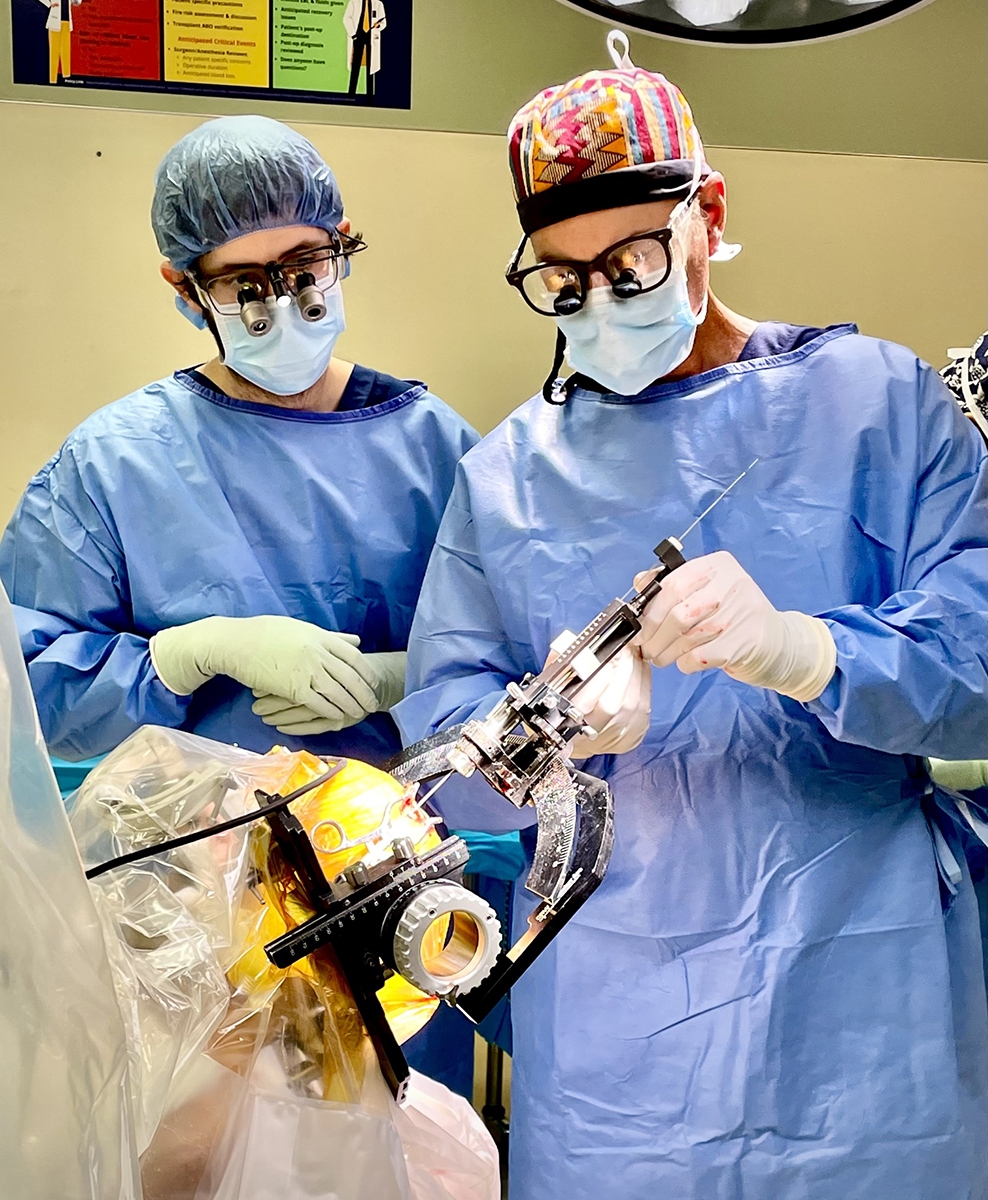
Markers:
237,550
777,991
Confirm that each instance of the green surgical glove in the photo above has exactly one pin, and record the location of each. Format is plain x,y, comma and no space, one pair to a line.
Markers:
387,670
302,664
965,776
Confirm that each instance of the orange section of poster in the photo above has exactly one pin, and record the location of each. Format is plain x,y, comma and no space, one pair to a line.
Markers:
219,42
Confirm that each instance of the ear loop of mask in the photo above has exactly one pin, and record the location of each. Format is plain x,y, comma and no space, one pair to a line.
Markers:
187,311
725,250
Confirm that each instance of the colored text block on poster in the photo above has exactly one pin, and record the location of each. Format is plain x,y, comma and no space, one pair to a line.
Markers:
310,45
217,42
116,39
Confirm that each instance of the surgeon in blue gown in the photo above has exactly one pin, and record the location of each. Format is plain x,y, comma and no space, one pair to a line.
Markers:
777,992
237,550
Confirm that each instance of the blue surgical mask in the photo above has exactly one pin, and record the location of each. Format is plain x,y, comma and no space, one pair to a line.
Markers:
292,355
625,345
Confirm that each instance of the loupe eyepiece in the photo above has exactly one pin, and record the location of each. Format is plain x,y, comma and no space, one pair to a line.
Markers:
311,302
568,301
253,312
626,285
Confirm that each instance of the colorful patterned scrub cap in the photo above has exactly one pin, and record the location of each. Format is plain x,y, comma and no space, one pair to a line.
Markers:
606,139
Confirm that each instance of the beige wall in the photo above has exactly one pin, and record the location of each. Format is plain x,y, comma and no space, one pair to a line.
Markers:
896,244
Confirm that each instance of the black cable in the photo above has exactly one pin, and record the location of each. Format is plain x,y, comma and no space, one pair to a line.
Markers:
279,802
549,387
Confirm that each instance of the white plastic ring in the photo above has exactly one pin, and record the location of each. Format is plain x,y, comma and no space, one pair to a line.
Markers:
470,951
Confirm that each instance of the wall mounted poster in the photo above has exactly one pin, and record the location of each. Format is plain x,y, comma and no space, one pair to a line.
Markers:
332,51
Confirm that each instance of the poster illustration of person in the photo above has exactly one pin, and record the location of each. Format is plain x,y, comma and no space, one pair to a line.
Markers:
364,20
59,26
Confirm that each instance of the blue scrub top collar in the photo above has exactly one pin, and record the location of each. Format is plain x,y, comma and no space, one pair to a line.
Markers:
683,387
274,412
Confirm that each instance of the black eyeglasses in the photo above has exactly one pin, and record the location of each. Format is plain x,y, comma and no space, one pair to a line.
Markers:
559,288
634,266
320,267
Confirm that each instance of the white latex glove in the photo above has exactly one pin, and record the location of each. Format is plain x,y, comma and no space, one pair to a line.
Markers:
387,670
711,613
271,655
616,702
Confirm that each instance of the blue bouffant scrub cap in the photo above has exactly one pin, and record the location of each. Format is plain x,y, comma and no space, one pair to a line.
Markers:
234,176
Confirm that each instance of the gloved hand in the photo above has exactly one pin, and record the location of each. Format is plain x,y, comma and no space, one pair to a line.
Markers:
962,776
616,702
711,613
282,656
387,670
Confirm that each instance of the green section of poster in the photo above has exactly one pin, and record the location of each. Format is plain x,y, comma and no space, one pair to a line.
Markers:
311,46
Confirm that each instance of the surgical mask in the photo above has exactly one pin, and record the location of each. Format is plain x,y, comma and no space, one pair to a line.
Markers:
292,355
625,345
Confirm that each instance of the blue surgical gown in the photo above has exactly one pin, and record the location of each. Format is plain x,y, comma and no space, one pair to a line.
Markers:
774,995
177,503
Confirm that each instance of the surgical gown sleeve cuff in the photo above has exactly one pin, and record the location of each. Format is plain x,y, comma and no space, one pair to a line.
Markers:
175,668
93,691
896,694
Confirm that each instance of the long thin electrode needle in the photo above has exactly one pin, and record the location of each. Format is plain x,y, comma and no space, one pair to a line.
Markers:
432,791
711,507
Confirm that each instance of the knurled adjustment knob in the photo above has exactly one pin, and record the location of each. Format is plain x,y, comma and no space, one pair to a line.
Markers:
471,948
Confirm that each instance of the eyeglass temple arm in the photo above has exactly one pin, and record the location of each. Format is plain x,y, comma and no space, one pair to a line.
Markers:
516,257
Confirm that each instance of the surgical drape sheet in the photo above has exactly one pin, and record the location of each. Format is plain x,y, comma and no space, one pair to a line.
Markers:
771,996
65,1125
169,506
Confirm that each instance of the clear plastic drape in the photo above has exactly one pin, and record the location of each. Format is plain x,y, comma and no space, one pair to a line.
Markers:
248,1082
65,1126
